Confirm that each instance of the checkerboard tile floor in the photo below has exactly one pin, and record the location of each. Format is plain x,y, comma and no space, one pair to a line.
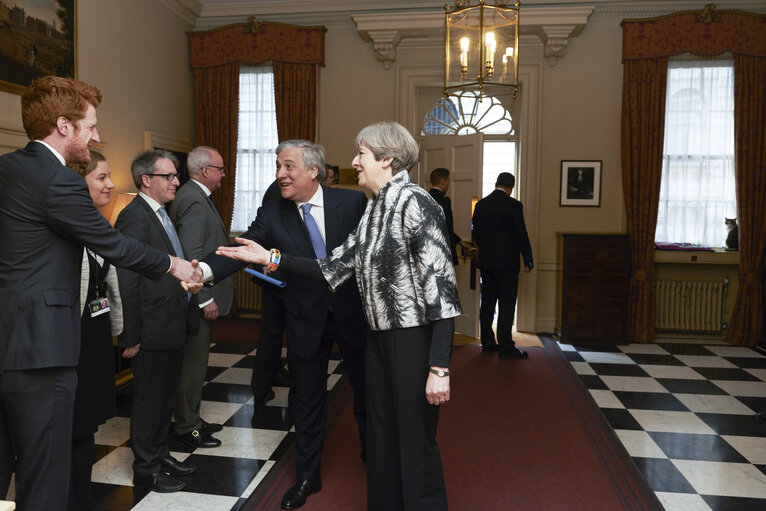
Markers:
252,441
684,412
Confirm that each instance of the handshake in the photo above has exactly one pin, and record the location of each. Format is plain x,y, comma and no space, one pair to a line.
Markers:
189,273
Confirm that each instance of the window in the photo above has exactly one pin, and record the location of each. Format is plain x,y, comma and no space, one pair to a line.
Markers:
256,143
697,190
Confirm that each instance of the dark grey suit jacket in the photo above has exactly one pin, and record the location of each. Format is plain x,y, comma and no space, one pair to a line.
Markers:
278,224
201,231
500,232
46,216
155,312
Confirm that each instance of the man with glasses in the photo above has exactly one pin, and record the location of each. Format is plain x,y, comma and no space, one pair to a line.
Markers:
157,317
201,230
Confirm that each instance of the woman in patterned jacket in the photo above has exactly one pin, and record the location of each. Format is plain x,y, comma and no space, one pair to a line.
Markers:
401,259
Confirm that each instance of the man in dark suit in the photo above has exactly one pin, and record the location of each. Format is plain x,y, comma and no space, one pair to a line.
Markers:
440,181
201,230
498,226
310,221
157,316
46,216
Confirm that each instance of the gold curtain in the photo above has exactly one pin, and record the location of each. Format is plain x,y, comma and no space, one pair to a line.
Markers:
295,91
643,122
216,109
748,320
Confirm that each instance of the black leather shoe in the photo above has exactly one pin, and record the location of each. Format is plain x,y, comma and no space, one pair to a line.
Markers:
196,438
175,468
262,400
513,353
489,349
159,482
282,378
300,491
208,427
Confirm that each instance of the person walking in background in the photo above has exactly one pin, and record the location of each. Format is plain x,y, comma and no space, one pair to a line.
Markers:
200,229
440,182
158,316
400,258
46,217
94,401
501,235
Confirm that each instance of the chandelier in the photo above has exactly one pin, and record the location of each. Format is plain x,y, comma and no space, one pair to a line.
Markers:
481,48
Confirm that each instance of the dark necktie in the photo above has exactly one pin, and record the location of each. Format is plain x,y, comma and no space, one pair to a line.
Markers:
316,238
212,199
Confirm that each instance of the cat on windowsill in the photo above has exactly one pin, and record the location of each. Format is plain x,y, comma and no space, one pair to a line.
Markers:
732,239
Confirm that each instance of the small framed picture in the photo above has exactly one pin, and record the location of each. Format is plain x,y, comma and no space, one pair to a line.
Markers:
580,183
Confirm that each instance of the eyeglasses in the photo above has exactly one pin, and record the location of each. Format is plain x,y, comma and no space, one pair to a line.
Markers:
220,169
169,177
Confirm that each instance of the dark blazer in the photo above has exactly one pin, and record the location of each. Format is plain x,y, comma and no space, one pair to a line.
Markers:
155,313
446,203
278,224
46,216
201,230
500,232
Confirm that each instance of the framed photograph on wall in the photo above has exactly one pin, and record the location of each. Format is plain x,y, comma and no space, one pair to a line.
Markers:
36,39
580,183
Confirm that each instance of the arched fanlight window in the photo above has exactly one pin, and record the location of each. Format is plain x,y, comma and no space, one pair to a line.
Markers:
465,113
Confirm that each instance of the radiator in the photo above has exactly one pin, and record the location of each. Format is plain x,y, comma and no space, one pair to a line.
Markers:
689,306
246,293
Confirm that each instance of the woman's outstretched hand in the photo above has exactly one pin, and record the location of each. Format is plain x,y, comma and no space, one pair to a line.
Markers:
249,252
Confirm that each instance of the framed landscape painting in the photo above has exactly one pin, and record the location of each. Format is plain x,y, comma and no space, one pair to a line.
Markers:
37,38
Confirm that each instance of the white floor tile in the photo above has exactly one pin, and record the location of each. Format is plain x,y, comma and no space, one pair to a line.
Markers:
743,388
633,384
218,412
583,368
332,365
116,431
705,403
682,502
734,351
257,479
646,349
235,375
758,373
704,361
332,380
671,422
726,479
245,443
223,359
566,347
115,468
752,448
605,398
639,444
597,357
675,372
185,501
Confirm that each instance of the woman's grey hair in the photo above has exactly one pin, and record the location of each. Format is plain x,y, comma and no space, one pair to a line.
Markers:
390,139
144,163
198,158
313,155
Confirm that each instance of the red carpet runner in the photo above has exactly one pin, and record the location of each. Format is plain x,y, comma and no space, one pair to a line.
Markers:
516,435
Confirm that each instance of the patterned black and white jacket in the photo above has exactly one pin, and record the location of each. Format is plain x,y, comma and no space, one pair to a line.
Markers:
401,258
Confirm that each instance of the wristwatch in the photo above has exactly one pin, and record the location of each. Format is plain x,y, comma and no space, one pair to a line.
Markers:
441,373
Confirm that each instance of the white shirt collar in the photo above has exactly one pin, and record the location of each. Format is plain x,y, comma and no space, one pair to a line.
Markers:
204,188
55,153
317,201
152,203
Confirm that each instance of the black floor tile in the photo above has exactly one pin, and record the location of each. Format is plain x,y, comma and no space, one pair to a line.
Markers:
261,417
718,503
748,362
662,475
286,444
740,425
685,349
236,348
219,475
605,348
238,505
226,392
725,373
213,371
650,401
621,419
762,468
572,356
591,381
246,362
687,446
657,360
756,404
679,386
618,369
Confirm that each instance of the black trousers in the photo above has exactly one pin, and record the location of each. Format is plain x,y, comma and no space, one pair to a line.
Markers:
308,400
36,407
193,370
268,356
404,469
498,286
156,374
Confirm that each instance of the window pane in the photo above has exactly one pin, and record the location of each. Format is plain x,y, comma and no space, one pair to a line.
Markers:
697,190
257,140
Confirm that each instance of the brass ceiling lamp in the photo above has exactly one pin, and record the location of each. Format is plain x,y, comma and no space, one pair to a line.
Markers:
481,48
